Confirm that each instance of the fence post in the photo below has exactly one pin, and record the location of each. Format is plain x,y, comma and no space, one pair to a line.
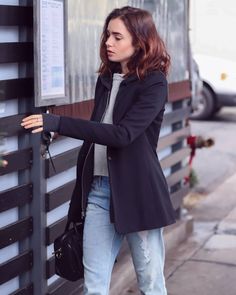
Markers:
36,176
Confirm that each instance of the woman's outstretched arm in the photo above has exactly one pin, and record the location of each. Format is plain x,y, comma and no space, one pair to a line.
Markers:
148,105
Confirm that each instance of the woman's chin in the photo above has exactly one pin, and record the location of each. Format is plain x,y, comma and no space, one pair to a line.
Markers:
113,59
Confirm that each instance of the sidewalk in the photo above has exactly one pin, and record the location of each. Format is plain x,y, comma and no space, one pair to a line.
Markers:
206,263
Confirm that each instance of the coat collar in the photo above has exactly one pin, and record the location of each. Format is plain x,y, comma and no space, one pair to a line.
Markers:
107,80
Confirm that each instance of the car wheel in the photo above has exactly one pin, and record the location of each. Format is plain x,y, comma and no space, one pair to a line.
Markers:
217,109
206,106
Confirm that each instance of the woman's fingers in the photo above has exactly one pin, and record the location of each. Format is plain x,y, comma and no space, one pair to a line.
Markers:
33,118
30,118
37,130
33,121
31,125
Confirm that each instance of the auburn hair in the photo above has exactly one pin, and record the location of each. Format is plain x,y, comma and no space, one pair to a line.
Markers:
150,51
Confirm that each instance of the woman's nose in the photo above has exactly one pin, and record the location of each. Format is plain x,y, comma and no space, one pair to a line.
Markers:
108,42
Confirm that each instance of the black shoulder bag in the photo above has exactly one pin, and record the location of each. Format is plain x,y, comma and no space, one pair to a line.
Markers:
68,251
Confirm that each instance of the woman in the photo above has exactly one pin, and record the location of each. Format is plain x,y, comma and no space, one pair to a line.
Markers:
120,188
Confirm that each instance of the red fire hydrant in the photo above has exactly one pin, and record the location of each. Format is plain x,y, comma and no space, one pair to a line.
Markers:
196,142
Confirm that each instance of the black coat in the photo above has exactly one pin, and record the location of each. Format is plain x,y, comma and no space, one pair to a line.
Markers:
140,198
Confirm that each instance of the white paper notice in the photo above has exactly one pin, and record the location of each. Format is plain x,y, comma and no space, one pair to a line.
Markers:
52,49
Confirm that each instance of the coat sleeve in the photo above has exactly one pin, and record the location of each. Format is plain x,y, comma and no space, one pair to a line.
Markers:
149,103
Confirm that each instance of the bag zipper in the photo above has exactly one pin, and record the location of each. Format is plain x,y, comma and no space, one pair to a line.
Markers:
82,176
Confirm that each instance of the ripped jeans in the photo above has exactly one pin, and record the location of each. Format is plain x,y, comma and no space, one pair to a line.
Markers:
102,244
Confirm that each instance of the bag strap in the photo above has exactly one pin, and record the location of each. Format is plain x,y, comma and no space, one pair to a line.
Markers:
67,225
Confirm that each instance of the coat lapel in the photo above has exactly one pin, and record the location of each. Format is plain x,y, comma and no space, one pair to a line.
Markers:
122,100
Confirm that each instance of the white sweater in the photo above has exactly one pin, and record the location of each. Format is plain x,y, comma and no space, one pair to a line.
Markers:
100,158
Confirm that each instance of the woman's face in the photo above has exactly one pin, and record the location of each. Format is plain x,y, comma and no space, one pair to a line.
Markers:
119,43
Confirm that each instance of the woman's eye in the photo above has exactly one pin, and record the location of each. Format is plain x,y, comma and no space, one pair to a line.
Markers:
118,39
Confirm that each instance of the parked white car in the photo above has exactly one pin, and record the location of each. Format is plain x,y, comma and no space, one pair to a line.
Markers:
219,85
196,85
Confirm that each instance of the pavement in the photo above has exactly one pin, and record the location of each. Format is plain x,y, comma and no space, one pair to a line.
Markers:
205,262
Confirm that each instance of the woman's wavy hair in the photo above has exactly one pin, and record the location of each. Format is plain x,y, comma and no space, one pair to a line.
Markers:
150,51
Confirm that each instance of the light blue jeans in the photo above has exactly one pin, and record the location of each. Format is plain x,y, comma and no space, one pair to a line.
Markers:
102,244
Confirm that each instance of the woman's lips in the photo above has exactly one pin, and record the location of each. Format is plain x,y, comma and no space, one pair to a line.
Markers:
110,52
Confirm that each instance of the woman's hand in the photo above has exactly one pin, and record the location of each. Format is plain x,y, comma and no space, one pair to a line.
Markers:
33,121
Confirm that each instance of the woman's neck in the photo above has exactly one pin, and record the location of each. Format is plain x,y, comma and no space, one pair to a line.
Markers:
124,69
